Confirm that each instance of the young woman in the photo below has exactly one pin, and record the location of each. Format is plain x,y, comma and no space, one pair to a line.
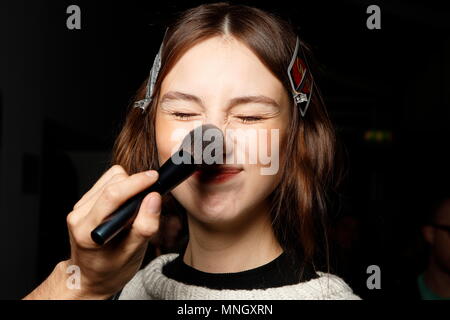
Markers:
251,235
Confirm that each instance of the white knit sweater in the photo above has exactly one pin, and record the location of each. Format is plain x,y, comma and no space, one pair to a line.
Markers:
151,284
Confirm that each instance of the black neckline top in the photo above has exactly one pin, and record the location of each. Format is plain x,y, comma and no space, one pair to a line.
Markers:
279,272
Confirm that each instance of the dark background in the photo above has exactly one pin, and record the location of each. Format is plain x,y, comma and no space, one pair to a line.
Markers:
63,95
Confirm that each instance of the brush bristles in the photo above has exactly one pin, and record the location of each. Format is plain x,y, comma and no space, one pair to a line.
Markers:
205,143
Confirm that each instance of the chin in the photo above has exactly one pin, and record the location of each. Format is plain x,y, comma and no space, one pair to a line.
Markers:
220,204
216,207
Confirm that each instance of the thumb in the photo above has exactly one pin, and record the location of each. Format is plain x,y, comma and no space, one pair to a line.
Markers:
146,223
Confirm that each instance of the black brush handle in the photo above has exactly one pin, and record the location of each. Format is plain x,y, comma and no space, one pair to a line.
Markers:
170,175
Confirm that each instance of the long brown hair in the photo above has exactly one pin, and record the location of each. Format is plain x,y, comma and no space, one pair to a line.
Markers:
298,203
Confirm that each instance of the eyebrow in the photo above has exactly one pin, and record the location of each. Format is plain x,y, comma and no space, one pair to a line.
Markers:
176,95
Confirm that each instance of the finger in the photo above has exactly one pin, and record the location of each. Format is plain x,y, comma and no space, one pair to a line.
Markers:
86,203
116,194
83,208
146,223
114,170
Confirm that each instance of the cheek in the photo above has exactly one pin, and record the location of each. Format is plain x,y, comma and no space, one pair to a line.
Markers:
256,180
272,148
165,140
169,135
265,175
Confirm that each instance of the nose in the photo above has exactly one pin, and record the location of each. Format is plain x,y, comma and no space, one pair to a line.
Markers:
220,120
226,151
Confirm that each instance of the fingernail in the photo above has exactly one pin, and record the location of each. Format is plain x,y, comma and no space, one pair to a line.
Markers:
151,173
153,205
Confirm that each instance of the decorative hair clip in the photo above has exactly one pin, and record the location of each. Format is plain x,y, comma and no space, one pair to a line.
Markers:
301,79
154,71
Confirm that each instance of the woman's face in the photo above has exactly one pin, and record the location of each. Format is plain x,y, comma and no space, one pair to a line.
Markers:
202,88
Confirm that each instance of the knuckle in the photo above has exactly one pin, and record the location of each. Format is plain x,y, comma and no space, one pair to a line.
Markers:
81,239
119,177
117,169
71,220
144,180
75,235
85,243
111,193
148,230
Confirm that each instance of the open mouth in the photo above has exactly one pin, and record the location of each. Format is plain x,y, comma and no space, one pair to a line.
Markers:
216,174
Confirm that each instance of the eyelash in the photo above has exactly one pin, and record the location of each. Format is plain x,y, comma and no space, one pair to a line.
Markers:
250,119
183,116
244,119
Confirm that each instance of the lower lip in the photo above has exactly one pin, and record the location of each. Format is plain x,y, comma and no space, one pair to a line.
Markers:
218,177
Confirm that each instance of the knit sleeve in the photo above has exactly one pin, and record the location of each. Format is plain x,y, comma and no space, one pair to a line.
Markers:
332,287
134,289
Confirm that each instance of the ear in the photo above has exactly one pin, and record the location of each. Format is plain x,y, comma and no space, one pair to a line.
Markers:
428,234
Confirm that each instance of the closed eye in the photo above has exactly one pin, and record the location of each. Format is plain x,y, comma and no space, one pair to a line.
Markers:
183,116
187,116
249,119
